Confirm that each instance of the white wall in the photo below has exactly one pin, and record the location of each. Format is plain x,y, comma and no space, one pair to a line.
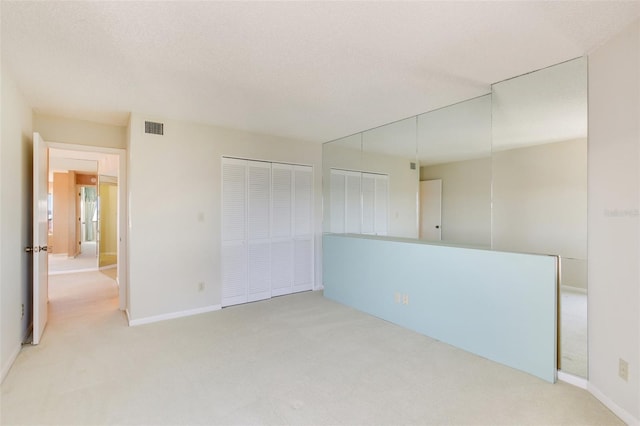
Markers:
614,252
404,184
540,204
79,132
16,149
466,200
175,211
540,199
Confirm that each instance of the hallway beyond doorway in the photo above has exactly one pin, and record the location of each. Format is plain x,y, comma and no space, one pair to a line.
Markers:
87,260
78,295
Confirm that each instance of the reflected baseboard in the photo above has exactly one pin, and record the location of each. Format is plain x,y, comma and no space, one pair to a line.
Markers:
577,381
573,289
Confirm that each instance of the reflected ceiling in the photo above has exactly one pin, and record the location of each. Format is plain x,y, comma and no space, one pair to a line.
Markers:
63,160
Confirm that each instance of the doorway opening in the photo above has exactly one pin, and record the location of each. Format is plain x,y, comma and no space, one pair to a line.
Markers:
83,226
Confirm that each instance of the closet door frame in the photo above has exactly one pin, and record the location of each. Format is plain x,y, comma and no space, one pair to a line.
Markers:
283,257
303,234
233,250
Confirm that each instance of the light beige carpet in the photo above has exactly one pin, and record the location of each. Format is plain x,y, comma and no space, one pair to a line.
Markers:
573,335
87,260
295,360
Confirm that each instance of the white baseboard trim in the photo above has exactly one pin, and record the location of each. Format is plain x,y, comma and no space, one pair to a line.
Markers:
126,312
573,380
7,366
624,415
172,315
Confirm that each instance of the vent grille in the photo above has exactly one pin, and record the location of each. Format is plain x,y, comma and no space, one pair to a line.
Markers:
412,166
153,128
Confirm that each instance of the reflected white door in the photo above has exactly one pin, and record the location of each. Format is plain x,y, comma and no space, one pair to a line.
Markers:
40,234
431,209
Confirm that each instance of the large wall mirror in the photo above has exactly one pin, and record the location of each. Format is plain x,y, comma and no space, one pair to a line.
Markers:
505,171
454,151
539,166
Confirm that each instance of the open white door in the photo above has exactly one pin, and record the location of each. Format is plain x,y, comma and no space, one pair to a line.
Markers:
430,209
40,234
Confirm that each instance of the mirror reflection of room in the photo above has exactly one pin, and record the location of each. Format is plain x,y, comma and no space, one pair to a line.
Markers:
73,226
540,185
82,211
454,152
108,222
503,171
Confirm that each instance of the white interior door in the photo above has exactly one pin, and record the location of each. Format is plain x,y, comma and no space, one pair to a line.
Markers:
431,209
40,235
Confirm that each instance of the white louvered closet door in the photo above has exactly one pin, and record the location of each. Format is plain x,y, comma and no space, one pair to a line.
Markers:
381,215
258,230
303,228
234,266
368,185
281,229
337,201
353,202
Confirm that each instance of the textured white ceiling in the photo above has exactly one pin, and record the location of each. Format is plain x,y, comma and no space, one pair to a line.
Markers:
309,70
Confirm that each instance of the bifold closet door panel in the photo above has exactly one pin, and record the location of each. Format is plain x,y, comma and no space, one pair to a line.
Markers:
259,200
281,229
337,201
281,267
258,230
353,201
234,199
234,273
303,264
302,201
281,190
381,214
259,270
303,229
267,230
368,186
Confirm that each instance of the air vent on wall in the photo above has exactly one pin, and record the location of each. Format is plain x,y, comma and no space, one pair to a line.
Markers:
153,128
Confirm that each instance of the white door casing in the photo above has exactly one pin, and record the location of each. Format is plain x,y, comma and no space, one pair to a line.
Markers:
40,237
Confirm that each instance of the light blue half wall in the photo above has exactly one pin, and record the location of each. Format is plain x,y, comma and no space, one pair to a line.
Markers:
499,305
